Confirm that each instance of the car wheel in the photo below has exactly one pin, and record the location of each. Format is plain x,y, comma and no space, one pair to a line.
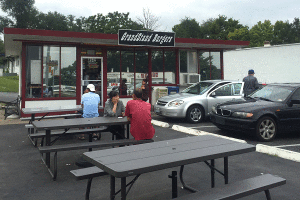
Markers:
195,114
266,129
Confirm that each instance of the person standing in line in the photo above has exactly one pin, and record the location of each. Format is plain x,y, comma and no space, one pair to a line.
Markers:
90,102
123,87
115,108
250,83
145,90
138,112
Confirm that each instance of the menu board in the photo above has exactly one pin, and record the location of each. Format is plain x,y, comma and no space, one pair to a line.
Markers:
35,72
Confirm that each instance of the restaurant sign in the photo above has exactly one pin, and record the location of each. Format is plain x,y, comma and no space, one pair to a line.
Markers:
146,38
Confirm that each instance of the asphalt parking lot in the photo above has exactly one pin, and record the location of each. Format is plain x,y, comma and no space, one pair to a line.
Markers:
288,141
24,176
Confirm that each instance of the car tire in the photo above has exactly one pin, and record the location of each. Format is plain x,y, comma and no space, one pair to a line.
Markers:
266,129
195,114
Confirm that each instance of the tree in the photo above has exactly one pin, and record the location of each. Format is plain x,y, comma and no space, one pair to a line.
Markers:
296,30
219,28
5,22
148,21
282,33
2,53
110,23
51,21
241,34
75,24
260,33
188,28
22,11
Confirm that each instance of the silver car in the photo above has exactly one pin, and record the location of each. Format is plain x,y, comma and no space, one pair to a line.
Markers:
195,102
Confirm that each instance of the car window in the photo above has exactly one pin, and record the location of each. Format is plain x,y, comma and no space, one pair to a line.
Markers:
198,88
226,90
236,88
273,93
296,95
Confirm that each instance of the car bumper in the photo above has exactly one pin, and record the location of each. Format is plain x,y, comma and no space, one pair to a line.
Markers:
169,111
232,123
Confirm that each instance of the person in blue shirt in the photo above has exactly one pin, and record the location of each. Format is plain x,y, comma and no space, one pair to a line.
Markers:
90,102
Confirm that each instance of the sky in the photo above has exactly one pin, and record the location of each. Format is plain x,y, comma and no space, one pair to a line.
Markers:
170,12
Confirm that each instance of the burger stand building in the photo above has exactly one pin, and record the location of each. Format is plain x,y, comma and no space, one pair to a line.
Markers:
56,66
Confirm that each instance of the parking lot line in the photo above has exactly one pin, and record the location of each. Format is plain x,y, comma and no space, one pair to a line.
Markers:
290,145
203,127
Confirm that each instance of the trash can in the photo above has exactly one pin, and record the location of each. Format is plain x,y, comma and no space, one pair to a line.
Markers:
173,89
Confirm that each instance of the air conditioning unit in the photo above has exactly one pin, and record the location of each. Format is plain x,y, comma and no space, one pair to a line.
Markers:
193,78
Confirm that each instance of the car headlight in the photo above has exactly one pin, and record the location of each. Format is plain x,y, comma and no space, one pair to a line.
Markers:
242,115
175,103
214,109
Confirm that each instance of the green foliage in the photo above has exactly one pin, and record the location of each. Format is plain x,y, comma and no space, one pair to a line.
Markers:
5,22
110,23
9,84
20,10
260,33
282,33
2,57
23,14
219,28
51,21
241,34
188,28
68,75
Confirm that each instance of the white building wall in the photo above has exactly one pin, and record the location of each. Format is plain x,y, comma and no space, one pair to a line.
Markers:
273,64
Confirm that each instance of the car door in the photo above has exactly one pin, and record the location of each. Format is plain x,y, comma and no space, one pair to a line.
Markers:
289,116
228,92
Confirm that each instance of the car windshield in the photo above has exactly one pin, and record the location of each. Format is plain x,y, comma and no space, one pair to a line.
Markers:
198,88
272,93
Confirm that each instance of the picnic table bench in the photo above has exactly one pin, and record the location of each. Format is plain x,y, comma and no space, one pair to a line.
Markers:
12,107
239,189
84,145
60,133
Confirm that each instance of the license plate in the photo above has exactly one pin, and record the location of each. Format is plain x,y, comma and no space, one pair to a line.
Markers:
220,121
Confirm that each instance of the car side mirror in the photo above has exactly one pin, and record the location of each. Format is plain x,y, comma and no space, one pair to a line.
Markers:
294,101
213,94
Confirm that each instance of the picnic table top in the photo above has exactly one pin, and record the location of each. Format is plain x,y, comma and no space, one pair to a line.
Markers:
138,159
78,123
51,109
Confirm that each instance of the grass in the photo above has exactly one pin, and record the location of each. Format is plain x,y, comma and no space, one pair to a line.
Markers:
9,84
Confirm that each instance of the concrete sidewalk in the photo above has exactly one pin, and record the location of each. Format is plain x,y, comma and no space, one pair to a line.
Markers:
24,176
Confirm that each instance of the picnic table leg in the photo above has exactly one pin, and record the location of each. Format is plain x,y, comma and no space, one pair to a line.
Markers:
174,184
123,188
127,131
112,187
184,186
48,143
226,169
212,172
31,120
90,140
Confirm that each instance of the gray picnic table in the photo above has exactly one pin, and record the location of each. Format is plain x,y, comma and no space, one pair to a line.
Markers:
67,124
138,159
47,110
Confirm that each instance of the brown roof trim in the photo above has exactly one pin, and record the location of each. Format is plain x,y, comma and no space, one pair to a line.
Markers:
59,33
211,41
71,34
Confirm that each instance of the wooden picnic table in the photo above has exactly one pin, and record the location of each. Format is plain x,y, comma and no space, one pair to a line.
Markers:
138,159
